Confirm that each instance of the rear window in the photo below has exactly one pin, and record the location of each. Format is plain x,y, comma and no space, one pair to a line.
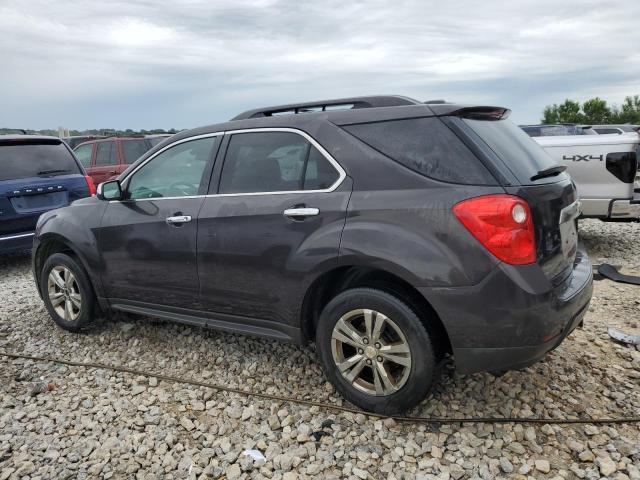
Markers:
22,159
522,155
426,146
133,149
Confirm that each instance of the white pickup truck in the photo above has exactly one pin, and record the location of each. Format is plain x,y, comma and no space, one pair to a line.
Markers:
603,168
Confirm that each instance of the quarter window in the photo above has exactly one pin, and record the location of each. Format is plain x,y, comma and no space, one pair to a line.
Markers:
106,153
83,153
274,162
426,146
176,172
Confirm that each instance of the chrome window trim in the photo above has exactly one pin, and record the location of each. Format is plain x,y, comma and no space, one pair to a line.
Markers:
12,237
167,147
341,173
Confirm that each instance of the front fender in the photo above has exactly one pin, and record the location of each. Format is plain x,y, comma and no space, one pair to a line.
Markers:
75,227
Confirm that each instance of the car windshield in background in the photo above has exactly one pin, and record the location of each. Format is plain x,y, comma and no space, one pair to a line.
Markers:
133,149
524,157
40,158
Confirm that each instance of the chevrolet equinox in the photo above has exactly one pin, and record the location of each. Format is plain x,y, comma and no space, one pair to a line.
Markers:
390,232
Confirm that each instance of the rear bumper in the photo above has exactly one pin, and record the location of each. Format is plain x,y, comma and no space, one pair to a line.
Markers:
617,209
16,241
626,209
514,317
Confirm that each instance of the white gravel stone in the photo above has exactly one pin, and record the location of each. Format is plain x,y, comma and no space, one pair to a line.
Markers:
543,466
92,425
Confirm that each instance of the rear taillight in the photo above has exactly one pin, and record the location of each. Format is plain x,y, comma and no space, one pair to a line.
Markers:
502,224
91,185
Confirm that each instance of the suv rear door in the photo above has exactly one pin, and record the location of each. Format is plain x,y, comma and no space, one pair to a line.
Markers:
272,222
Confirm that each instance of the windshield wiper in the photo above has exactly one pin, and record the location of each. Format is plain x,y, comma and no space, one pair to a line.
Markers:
52,172
549,172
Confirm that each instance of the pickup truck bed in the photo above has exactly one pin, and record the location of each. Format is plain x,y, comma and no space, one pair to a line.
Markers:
603,168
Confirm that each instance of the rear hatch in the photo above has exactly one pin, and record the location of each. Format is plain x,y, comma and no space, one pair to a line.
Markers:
524,169
36,175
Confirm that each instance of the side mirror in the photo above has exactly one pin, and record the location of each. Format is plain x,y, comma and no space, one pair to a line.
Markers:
110,190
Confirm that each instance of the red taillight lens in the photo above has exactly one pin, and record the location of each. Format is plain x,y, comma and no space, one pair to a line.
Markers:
91,185
502,224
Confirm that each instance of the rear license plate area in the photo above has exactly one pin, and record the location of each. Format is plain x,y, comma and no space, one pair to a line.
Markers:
568,230
38,202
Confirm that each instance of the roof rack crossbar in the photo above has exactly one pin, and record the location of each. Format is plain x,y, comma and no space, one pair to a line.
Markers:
347,103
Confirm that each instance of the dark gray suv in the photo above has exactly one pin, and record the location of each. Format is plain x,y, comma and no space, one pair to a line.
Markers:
390,232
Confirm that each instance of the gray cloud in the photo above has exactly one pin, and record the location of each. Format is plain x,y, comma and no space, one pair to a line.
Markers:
145,64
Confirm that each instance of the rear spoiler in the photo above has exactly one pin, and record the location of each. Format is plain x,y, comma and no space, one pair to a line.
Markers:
482,113
477,112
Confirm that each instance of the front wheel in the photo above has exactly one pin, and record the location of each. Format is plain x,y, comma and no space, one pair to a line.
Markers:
375,351
67,292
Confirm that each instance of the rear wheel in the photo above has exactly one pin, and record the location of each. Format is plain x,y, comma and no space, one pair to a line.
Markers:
67,292
375,351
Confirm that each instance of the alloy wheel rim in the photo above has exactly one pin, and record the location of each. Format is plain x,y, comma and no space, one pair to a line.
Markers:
371,352
64,293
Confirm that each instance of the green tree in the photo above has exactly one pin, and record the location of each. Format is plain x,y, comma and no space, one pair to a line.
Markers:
630,111
567,112
550,114
596,111
593,111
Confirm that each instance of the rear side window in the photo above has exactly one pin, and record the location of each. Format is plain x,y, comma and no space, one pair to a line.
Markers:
134,149
274,162
426,146
22,159
522,155
106,153
83,153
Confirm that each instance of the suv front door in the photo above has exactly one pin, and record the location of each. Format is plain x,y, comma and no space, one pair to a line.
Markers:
272,222
148,239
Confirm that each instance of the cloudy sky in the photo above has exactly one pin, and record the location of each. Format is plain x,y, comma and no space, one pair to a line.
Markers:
153,64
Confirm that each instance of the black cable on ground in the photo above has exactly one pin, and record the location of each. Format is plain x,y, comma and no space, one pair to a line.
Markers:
327,406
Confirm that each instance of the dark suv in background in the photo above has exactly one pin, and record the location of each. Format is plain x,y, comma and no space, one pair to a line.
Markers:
37,174
389,232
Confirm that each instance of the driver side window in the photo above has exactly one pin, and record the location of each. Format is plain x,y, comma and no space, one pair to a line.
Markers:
176,172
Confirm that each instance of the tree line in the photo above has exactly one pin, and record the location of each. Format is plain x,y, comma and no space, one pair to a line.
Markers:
108,132
594,111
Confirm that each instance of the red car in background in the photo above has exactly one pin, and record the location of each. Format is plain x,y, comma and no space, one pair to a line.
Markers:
107,158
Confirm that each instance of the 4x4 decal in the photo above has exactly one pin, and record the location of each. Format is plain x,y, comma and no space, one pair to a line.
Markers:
580,158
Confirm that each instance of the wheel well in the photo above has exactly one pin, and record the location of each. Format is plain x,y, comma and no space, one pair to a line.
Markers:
47,248
332,283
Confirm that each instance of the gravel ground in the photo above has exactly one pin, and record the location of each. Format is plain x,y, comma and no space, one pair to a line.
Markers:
101,424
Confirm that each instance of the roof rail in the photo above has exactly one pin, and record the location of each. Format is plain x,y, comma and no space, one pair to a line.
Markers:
324,105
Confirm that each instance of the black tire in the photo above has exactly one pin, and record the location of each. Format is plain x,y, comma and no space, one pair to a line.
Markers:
88,308
423,363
